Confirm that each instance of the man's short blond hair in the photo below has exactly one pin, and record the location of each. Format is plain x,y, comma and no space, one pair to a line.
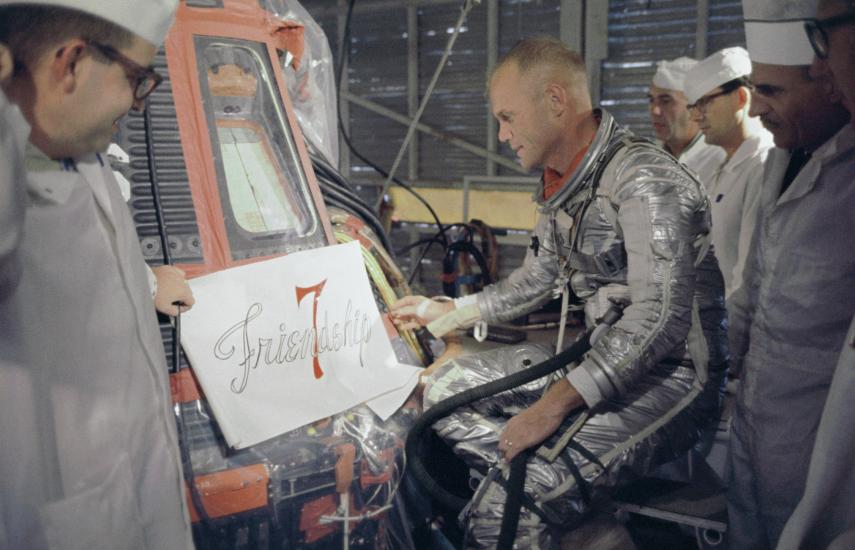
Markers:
549,55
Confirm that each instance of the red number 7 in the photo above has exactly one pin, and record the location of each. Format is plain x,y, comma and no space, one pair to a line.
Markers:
301,292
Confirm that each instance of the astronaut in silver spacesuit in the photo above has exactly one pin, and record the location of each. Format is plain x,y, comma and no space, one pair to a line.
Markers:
619,218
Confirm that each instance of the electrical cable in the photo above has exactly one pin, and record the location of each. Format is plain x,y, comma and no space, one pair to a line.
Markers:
387,293
418,263
339,186
411,129
425,240
359,209
186,462
344,53
319,163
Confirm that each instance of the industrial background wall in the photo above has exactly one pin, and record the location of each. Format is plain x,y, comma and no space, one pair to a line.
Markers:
393,51
396,45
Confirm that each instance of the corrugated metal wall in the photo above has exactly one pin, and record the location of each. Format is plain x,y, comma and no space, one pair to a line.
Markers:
640,32
457,105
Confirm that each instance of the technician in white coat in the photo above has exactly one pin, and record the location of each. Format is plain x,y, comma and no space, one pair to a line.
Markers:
825,516
673,127
89,456
14,131
719,95
790,316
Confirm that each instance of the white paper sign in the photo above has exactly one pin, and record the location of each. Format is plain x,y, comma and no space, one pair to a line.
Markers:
285,342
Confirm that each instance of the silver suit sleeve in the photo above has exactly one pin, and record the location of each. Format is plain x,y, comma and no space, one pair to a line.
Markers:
529,286
661,213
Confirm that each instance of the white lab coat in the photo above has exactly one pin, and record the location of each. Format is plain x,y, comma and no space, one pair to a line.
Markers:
14,131
703,158
89,456
734,192
827,509
788,324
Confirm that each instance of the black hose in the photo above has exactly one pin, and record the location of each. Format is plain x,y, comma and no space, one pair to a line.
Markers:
418,263
186,463
450,258
415,439
348,195
513,504
360,209
320,164
155,184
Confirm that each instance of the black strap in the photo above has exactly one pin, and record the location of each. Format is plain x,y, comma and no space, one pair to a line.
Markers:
528,502
609,262
584,488
586,454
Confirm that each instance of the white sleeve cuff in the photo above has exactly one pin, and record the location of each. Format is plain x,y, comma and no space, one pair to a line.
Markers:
584,383
152,281
463,301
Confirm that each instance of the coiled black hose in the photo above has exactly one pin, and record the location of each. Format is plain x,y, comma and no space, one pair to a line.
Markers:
415,439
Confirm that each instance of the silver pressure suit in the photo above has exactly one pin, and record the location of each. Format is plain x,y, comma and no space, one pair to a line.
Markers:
651,382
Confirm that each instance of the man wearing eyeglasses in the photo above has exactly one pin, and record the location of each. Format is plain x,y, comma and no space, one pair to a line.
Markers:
672,125
790,317
825,516
832,36
90,456
719,91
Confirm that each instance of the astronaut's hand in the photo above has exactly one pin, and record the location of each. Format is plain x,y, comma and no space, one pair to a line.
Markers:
532,426
171,287
412,312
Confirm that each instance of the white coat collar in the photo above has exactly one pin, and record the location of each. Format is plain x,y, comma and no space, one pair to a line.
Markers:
753,144
47,178
840,143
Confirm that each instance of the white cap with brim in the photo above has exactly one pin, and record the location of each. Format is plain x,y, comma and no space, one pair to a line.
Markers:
670,75
775,33
148,19
719,68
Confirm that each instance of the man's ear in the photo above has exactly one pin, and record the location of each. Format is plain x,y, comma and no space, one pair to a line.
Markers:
64,64
7,63
742,97
556,98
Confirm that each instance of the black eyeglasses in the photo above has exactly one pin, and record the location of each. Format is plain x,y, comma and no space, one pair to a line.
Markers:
817,31
143,79
702,103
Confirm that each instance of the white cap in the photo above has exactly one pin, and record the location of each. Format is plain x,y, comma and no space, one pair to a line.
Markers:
148,19
719,68
671,74
775,33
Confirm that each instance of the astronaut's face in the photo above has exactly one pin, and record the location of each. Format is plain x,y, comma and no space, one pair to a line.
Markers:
523,117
